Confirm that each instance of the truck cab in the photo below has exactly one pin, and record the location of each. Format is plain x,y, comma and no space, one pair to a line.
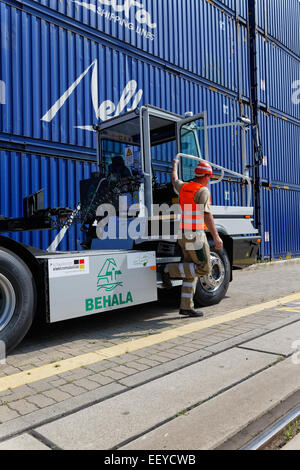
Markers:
128,147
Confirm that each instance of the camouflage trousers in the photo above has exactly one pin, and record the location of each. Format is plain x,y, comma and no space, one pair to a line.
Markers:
196,263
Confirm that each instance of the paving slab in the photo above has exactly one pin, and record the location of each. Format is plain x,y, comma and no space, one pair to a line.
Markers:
211,424
114,421
294,444
279,342
24,442
22,424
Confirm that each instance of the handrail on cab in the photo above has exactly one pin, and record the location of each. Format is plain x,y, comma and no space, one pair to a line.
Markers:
223,171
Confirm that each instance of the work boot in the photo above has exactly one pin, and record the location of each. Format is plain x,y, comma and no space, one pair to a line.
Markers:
190,313
165,277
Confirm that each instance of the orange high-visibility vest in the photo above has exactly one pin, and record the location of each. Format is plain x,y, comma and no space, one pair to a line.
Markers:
192,218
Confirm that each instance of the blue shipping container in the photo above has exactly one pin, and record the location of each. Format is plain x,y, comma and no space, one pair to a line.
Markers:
193,35
281,222
66,65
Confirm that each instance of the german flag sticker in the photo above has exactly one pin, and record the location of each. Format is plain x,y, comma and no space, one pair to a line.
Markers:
81,262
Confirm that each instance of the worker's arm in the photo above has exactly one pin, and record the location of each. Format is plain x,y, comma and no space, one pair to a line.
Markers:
210,223
175,171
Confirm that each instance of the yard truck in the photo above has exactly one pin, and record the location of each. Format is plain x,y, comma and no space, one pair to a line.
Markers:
126,233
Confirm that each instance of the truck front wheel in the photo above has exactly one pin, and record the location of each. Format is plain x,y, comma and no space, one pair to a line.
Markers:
17,299
212,289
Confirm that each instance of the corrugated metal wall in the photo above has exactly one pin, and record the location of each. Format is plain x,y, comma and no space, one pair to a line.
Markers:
66,64
278,43
27,173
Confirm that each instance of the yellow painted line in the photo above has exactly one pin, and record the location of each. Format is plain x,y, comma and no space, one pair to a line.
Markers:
50,370
290,309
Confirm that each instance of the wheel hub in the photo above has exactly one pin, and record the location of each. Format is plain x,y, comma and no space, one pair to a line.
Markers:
212,282
7,301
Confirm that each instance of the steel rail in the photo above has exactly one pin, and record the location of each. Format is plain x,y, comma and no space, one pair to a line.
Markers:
275,429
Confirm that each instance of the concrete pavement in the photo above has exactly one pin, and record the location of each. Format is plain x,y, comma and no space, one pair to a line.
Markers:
158,385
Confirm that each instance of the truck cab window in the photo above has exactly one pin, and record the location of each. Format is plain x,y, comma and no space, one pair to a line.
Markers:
192,142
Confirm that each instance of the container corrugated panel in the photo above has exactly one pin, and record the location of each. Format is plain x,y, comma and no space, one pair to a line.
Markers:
261,15
262,70
283,22
230,4
266,246
191,34
283,73
264,123
242,8
54,93
285,217
227,194
236,7
280,223
244,73
283,154
24,174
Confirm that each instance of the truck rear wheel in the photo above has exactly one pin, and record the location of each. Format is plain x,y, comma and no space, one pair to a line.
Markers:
212,289
17,299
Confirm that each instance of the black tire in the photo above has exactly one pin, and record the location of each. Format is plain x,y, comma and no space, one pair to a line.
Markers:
212,291
17,299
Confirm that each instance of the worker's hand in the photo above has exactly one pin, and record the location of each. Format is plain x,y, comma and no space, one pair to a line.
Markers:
218,243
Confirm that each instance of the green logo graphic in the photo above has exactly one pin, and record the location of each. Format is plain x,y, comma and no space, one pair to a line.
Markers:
107,277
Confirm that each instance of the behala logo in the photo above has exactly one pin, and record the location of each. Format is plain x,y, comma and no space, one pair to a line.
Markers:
107,277
124,7
107,108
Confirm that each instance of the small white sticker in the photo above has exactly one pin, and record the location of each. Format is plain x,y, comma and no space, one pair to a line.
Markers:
2,353
267,237
129,156
265,161
263,85
227,196
226,109
222,25
68,267
2,92
141,260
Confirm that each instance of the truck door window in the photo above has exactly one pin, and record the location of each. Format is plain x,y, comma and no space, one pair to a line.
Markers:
192,142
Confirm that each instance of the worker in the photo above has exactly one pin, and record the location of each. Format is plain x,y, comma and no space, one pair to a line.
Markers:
196,216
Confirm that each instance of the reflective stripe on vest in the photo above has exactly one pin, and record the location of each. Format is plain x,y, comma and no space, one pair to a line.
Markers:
192,217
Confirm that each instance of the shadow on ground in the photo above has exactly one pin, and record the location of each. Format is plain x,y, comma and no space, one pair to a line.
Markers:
128,323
